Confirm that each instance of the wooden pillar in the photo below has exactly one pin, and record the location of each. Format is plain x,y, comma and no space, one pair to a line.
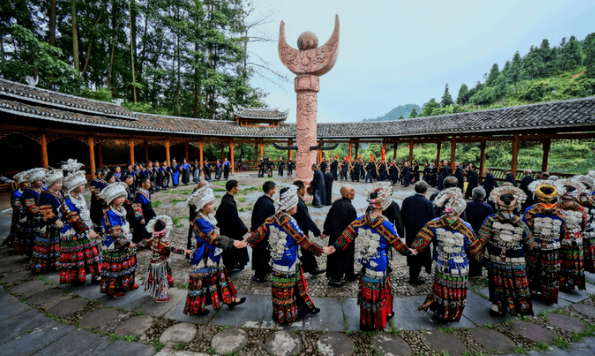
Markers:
146,146
91,142
131,150
231,159
186,150
453,150
395,151
290,152
262,150
383,149
515,153
200,157
438,147
411,151
43,142
100,155
546,154
350,151
482,158
222,152
356,149
320,153
167,152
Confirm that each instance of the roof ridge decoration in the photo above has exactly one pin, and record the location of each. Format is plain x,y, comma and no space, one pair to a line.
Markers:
42,96
260,113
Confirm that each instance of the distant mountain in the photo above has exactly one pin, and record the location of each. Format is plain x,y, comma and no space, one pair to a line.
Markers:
394,114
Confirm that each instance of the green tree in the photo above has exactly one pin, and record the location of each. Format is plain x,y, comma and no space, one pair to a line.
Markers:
589,49
516,73
413,113
428,110
38,58
462,98
446,98
402,118
571,55
494,73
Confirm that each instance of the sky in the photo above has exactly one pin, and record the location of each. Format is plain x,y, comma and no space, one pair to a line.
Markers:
395,52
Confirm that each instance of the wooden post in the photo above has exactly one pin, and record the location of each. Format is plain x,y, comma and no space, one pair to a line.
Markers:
167,152
100,155
350,151
131,150
43,142
356,149
453,150
290,152
546,154
411,151
515,152
262,150
395,151
200,145
91,142
146,146
438,147
482,159
231,159
222,152
186,150
320,153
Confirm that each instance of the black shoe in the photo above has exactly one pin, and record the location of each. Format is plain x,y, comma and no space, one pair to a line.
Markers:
233,304
259,279
315,310
318,206
336,285
317,271
353,278
390,316
417,282
204,312
496,314
389,270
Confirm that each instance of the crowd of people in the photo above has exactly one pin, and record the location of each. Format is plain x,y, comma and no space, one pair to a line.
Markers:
532,243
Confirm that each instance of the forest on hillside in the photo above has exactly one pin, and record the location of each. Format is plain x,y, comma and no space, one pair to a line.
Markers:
185,58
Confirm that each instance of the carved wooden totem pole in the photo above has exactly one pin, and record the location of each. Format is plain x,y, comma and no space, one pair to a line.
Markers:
308,63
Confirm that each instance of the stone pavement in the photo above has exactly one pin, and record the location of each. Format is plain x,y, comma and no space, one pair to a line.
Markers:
40,317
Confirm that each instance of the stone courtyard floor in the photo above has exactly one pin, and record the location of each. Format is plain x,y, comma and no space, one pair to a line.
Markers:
38,316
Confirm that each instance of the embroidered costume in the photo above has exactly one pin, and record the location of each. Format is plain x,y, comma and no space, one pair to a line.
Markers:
46,247
119,261
547,222
79,254
16,237
208,282
288,285
453,237
572,272
29,200
158,277
505,235
587,201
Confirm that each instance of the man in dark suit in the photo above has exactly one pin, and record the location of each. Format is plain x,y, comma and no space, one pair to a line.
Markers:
460,175
262,210
444,172
328,186
302,216
318,187
472,180
231,225
341,214
416,211
475,214
509,177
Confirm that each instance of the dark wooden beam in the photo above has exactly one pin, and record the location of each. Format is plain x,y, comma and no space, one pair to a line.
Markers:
546,154
515,153
482,158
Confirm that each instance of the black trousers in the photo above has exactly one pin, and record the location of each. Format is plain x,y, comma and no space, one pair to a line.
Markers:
308,260
340,263
260,259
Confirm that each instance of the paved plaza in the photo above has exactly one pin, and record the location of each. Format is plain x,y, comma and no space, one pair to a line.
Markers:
38,316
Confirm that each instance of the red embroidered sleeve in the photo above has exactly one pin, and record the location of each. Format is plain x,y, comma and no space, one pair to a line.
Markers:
31,206
138,211
214,238
260,233
394,240
423,238
16,205
46,212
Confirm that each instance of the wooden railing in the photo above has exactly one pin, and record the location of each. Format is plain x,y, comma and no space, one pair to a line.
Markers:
498,173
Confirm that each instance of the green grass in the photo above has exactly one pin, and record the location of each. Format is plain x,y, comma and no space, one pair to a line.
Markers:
43,278
156,204
179,346
181,191
157,345
176,219
447,330
241,209
242,199
176,201
560,342
541,346
181,285
393,329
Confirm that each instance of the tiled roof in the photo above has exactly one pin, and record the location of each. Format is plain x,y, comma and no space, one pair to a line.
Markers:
260,113
38,96
41,104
